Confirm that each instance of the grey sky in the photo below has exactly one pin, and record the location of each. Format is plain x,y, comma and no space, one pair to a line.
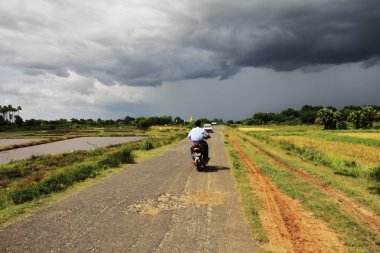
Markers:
112,58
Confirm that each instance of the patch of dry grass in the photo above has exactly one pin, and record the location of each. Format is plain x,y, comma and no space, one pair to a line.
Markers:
364,155
375,136
254,129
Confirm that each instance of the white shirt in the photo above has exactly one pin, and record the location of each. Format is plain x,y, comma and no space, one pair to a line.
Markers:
197,134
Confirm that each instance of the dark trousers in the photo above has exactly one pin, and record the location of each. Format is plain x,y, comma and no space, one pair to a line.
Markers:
204,148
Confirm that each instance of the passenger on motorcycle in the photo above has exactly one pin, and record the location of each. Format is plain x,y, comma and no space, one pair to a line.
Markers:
197,135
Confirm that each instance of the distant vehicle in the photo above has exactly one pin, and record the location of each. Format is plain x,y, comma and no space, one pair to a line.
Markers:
208,128
214,123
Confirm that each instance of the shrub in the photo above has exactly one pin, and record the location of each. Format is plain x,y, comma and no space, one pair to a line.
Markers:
56,182
10,173
83,172
341,125
309,153
117,158
287,146
375,174
348,172
24,194
350,163
3,198
147,144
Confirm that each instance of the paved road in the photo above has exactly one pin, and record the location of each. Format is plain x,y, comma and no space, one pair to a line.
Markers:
82,143
160,205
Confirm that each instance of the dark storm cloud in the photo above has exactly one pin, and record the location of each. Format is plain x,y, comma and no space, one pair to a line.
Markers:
135,43
287,35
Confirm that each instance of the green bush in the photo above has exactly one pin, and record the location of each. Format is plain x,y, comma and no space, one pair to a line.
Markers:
375,174
56,182
348,172
117,158
10,173
341,125
147,144
3,199
350,163
85,171
24,194
309,153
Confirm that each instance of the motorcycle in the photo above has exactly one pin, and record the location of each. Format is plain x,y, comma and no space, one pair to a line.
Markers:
198,157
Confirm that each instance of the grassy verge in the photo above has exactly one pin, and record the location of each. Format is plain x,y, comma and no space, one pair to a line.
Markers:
355,237
250,202
25,196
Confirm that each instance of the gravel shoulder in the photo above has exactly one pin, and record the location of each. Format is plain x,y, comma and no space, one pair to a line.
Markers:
160,205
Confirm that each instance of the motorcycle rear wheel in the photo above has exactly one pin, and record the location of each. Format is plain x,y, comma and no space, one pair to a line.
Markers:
199,165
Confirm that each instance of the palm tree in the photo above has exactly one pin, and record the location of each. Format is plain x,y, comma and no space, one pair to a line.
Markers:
14,110
325,116
356,118
18,110
369,114
9,110
4,110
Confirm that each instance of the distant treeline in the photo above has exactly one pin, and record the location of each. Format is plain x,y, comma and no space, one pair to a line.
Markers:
10,121
141,122
330,117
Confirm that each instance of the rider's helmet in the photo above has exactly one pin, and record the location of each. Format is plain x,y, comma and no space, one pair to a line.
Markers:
198,123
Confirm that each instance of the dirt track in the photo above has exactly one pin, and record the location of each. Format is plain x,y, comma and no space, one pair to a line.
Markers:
289,227
160,205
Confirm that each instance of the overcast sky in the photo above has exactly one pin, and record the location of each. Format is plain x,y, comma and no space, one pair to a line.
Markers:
205,58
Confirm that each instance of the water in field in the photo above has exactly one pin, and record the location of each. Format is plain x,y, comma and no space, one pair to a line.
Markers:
82,143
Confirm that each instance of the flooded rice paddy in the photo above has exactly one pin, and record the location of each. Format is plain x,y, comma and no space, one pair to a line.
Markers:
82,143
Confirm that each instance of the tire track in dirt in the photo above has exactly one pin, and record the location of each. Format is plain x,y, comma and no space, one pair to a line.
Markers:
357,211
288,226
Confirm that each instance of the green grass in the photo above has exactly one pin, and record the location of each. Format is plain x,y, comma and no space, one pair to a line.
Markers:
355,237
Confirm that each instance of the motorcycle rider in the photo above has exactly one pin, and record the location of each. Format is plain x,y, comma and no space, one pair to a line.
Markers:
197,135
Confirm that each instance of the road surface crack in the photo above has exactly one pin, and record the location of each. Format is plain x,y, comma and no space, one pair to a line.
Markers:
172,202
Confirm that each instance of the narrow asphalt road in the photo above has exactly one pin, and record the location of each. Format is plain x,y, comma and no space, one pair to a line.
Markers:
160,205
